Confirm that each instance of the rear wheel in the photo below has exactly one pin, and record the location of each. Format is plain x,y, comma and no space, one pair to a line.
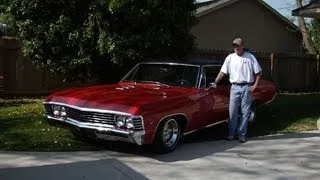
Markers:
167,135
253,113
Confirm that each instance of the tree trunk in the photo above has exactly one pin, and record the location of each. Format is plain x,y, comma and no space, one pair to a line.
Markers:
305,33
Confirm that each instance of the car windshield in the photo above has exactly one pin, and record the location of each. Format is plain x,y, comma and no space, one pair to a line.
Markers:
164,74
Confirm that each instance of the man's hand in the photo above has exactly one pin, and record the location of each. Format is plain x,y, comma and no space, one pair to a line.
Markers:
252,88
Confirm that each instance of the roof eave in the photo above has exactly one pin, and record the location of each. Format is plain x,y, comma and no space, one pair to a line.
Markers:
210,8
223,3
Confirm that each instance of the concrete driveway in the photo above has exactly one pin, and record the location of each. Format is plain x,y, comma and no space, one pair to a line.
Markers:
278,157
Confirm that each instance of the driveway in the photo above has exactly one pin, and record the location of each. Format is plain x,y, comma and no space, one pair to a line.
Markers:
277,157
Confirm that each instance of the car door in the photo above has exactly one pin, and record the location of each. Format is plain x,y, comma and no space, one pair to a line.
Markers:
216,100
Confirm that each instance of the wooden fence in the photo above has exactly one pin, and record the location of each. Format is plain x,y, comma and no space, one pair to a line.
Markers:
290,72
21,77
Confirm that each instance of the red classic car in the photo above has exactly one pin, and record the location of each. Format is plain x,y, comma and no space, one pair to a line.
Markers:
154,103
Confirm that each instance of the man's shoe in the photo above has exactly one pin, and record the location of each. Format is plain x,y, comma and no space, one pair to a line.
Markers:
242,139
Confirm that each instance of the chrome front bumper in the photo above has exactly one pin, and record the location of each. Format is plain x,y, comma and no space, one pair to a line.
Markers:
102,131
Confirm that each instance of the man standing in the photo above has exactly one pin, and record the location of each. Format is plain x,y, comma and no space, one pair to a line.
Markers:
244,74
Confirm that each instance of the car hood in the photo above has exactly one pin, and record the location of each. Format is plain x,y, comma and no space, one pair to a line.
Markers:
124,98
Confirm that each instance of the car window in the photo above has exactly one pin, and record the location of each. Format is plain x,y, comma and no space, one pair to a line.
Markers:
210,73
170,74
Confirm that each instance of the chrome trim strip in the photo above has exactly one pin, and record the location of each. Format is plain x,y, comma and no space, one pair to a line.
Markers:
171,63
96,126
220,122
153,135
131,136
172,115
134,68
142,121
272,99
203,73
207,126
89,109
211,65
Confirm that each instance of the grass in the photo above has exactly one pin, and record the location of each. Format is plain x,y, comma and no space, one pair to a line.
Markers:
288,113
23,129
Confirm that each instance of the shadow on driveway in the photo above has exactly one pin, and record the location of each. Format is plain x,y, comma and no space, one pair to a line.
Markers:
86,170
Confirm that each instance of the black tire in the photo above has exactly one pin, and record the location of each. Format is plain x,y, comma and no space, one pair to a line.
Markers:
80,134
165,143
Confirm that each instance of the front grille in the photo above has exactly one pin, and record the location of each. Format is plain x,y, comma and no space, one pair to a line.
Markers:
93,117
137,123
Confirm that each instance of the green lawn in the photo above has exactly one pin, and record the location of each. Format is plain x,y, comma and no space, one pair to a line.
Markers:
288,113
23,129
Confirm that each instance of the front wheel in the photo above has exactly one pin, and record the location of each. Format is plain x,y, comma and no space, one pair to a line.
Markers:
167,136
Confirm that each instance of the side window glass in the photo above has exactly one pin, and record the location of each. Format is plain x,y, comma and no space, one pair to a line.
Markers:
211,73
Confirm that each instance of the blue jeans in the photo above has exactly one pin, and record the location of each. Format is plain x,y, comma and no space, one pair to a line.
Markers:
240,99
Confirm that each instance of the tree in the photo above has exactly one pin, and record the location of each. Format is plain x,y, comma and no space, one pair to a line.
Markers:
3,5
314,29
86,38
305,33
5,18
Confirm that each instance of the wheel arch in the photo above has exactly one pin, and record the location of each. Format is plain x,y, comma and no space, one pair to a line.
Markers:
182,119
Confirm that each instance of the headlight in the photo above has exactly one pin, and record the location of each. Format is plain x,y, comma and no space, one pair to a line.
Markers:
124,122
120,121
63,112
129,123
56,110
59,111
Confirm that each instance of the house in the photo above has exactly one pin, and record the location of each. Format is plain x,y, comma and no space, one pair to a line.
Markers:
262,27
311,10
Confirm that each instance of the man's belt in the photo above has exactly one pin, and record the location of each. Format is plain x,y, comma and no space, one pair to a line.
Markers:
241,84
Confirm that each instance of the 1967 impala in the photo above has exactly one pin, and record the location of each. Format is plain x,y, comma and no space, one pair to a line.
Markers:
155,103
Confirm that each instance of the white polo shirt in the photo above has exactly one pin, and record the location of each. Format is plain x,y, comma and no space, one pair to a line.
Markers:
241,69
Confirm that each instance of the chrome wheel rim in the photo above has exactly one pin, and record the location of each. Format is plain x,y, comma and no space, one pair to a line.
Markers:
170,133
252,115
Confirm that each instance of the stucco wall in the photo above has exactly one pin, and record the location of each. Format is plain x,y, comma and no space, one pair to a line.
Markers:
261,29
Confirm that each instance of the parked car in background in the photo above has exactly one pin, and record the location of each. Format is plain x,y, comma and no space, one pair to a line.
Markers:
155,103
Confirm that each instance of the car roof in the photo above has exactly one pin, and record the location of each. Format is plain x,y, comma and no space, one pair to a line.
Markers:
198,62
204,62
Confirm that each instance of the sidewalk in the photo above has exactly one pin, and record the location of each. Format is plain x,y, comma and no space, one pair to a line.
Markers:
278,157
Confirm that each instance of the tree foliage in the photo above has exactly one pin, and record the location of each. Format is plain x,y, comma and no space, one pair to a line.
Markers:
314,30
3,5
81,38
5,18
